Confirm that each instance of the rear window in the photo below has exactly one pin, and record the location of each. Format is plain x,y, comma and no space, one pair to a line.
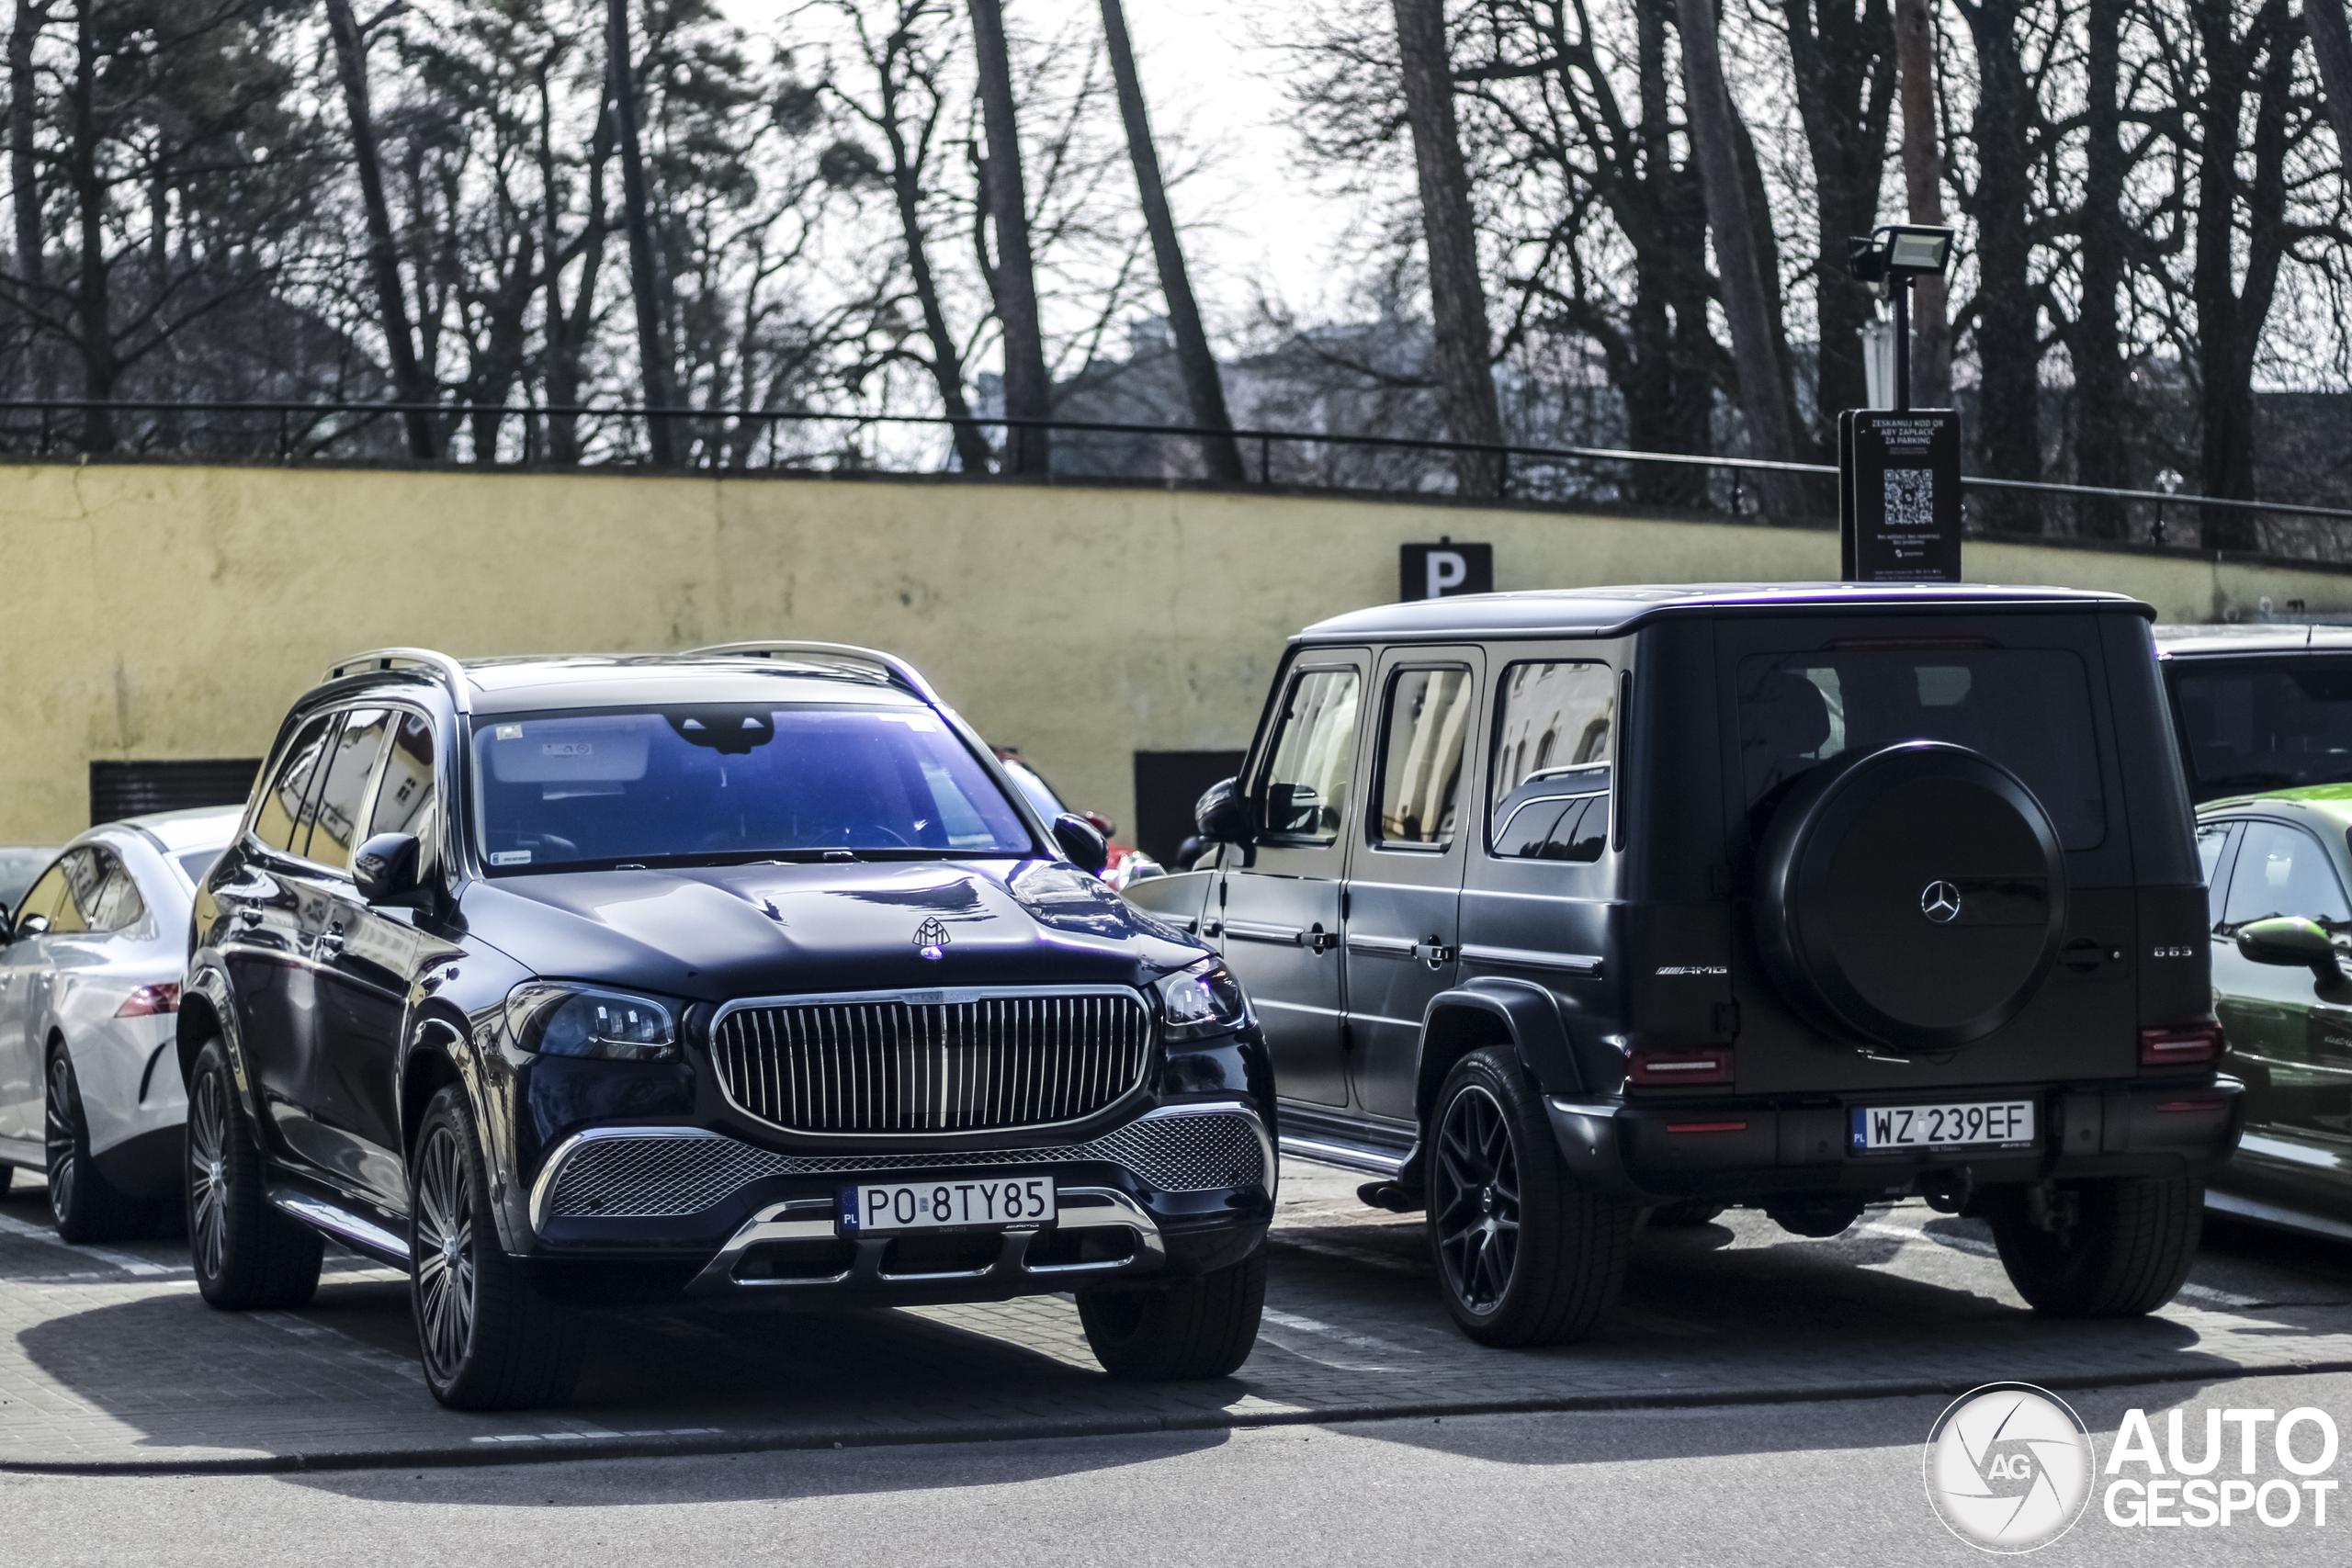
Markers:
2029,709
2259,727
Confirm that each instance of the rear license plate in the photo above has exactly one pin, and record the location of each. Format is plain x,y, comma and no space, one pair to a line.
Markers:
1991,1123
948,1205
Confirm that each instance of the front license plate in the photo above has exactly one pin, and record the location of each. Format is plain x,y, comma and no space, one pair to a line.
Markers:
947,1206
1991,1123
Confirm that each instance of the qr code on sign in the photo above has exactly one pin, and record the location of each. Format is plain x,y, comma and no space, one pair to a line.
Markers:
1910,498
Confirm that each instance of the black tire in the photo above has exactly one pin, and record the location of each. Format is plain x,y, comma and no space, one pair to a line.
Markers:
248,1257
85,1206
1687,1216
2114,1248
1197,1328
1525,1255
487,1340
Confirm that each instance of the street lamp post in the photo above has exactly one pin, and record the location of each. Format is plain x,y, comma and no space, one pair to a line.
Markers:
1898,472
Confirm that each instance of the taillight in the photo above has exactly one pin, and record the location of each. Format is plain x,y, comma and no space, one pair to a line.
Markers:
1680,1064
148,1001
2182,1047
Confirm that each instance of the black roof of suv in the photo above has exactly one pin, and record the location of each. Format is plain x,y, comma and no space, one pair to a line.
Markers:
742,972
1563,907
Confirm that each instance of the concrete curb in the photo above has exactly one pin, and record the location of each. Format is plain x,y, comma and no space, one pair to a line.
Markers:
556,1450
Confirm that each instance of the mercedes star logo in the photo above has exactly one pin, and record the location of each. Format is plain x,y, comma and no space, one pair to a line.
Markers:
1939,901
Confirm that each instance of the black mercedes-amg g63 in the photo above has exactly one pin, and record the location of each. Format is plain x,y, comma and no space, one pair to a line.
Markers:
745,972
1565,908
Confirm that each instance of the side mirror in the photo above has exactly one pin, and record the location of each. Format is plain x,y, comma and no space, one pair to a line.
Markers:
386,868
1223,816
2291,942
1089,849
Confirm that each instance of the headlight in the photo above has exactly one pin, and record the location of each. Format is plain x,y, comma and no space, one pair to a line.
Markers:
576,1021
1204,1000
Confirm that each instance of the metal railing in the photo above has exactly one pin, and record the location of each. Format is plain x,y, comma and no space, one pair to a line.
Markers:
730,441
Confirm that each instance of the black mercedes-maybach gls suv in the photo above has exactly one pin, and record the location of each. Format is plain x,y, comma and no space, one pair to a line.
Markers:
571,982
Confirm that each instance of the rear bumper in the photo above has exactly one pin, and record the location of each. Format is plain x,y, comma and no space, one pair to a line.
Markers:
1732,1150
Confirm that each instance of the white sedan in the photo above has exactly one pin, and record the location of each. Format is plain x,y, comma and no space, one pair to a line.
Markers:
90,965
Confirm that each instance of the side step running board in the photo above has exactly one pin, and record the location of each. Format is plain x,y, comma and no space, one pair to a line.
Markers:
1390,1163
361,1235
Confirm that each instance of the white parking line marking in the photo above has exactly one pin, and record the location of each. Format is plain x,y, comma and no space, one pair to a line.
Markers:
122,1260
1317,1326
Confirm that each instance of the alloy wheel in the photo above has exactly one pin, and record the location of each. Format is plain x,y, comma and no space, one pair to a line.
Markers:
64,1169
208,1175
1475,1200
444,1252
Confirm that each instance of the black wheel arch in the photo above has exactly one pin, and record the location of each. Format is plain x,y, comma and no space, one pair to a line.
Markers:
1496,1011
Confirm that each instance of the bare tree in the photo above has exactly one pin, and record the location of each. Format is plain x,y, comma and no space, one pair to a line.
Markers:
645,283
2007,130
409,385
1748,292
1463,350
1203,387
1011,273
1923,188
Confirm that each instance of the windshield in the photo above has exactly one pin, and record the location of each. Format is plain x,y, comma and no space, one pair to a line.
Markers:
716,785
2260,727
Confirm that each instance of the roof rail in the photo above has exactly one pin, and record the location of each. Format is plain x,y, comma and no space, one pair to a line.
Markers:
894,668
451,674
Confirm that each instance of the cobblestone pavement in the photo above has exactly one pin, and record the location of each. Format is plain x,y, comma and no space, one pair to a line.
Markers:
109,1360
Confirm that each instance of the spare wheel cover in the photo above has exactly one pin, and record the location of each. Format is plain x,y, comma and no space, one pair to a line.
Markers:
1913,897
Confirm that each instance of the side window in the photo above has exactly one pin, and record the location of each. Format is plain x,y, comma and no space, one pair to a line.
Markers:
1429,714
79,874
1555,730
1306,793
284,796
343,796
115,903
48,897
404,801
2212,838
2284,871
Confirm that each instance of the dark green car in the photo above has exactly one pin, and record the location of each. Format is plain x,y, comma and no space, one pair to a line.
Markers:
2278,866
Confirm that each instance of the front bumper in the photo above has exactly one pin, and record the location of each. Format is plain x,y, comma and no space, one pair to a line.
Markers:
1734,1150
1181,1189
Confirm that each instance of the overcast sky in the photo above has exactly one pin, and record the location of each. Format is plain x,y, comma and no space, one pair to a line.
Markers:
1254,222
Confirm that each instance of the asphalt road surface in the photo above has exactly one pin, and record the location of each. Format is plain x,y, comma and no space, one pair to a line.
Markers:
1810,1483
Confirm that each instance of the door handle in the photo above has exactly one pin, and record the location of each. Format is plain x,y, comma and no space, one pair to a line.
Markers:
330,941
1433,952
1320,941
248,916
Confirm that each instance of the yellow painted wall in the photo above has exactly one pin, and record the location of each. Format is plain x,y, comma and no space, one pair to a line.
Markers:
175,612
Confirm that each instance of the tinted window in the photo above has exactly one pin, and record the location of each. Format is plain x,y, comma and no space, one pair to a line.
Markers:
2027,709
1551,720
1549,827
283,801
406,800
714,783
1315,752
114,900
350,764
1428,718
2283,871
2266,728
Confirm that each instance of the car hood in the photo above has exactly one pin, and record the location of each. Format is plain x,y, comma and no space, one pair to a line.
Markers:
717,932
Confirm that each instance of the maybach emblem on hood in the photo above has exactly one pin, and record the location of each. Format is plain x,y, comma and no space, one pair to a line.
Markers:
931,937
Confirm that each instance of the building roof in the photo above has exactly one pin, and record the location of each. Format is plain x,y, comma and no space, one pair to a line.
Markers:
1608,612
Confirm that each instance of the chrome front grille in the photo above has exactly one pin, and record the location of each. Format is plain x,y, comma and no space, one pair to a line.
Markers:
653,1175
911,1064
